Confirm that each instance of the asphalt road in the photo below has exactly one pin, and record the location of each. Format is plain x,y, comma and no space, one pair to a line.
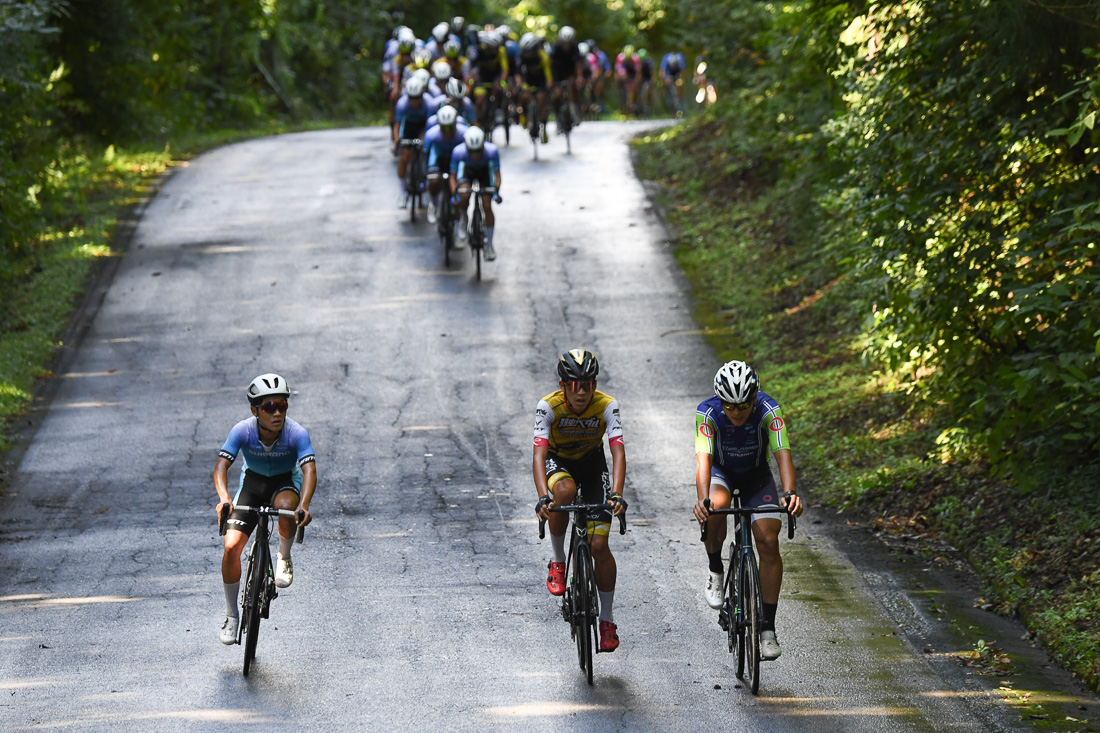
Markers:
419,597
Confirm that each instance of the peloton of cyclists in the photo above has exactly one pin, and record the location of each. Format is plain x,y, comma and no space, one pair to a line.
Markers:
278,470
735,431
476,160
568,456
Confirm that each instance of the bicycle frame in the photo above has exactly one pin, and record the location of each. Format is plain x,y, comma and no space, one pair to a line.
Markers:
741,605
259,578
580,604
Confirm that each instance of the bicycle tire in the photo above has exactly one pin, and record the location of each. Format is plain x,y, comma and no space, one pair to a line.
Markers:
410,185
751,624
477,234
533,124
253,587
582,578
445,226
729,600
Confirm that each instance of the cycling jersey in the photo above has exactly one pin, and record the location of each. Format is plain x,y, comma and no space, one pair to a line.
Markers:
572,436
290,451
740,450
413,118
535,68
673,64
563,61
440,147
490,65
464,167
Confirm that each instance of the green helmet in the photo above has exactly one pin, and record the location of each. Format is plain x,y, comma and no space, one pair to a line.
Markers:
642,53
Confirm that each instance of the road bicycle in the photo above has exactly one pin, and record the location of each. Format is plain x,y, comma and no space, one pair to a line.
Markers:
259,577
741,611
580,605
477,234
414,176
534,123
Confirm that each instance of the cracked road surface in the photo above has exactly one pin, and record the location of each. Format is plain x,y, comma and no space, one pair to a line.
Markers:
419,596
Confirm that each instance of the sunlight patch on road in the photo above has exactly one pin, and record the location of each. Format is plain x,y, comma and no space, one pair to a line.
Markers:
244,717
77,601
555,708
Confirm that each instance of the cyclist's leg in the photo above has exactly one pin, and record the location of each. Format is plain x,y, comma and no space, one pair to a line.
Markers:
765,531
286,498
719,499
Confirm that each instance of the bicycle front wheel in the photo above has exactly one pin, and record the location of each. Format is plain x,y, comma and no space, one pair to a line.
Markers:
254,586
445,225
477,236
750,639
582,608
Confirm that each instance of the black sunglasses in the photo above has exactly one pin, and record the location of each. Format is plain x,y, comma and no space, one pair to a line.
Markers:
273,407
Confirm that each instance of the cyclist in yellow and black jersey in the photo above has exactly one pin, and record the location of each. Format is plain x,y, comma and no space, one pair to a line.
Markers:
570,426
534,76
490,70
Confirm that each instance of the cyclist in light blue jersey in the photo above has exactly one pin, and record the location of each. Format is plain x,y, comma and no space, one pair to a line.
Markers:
736,433
476,160
439,142
278,471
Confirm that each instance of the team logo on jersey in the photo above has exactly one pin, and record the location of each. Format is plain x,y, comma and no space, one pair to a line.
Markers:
777,425
588,423
706,430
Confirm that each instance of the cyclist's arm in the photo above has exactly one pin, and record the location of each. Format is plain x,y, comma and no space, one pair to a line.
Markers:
786,475
221,481
502,55
309,483
618,472
544,60
703,462
538,472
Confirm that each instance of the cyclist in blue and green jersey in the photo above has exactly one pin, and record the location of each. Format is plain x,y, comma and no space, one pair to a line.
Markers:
736,433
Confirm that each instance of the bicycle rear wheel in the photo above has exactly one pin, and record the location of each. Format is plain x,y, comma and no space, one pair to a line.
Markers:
254,586
445,226
750,639
582,608
477,234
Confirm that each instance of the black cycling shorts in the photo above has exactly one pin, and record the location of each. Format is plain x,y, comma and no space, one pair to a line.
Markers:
258,490
757,488
481,176
590,474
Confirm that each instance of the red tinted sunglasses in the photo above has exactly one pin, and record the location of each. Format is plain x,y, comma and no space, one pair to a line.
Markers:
273,407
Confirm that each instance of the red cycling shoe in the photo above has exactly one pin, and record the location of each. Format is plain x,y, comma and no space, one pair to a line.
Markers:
609,640
555,580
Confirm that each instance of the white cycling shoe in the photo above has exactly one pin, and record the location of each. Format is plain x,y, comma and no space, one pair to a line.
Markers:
490,253
228,634
769,646
431,212
284,572
715,586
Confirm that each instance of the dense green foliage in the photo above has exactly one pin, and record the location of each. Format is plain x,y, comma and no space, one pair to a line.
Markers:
928,172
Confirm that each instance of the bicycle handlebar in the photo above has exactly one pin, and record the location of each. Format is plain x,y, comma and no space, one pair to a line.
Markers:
263,511
575,508
792,521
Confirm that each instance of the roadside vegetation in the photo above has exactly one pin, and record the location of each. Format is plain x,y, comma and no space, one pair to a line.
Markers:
891,211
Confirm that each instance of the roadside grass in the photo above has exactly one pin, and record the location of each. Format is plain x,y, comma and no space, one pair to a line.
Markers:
91,187
765,293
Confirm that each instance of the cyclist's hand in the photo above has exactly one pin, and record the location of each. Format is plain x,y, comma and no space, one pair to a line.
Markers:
701,512
454,200
618,505
543,506
306,519
792,503
498,199
224,509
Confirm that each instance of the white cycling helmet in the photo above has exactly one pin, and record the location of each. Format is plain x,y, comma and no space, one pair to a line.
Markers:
447,116
451,49
567,34
266,385
415,86
474,139
423,75
440,32
455,88
735,382
529,42
583,48
441,70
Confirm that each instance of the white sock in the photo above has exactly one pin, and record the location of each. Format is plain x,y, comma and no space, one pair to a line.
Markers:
607,599
232,590
401,186
557,542
285,543
489,234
